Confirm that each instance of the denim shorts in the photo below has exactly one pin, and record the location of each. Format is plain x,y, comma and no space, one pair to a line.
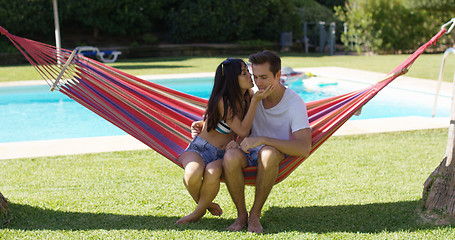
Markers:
207,151
252,157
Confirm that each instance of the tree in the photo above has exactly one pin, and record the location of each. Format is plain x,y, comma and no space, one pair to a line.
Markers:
435,12
3,204
439,188
383,26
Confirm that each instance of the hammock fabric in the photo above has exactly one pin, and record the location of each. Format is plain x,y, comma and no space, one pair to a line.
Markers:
161,117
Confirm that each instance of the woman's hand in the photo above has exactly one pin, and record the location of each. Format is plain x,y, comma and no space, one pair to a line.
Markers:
232,144
261,94
196,128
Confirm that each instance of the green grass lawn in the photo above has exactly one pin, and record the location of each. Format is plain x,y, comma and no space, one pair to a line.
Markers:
352,187
427,65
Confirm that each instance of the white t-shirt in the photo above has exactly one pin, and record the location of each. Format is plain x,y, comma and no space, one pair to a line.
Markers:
280,121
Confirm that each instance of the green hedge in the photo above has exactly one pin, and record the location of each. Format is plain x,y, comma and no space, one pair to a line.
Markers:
378,25
135,19
28,18
32,18
231,21
174,20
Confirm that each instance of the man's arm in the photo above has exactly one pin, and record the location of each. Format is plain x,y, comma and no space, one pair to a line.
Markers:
299,146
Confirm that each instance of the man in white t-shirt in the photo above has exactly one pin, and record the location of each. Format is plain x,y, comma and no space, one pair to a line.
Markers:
280,128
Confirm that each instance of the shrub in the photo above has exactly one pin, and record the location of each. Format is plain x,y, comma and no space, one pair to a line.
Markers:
31,18
313,12
230,21
35,18
181,21
387,26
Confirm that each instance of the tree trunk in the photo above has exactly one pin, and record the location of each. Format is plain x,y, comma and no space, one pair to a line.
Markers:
3,204
439,189
96,32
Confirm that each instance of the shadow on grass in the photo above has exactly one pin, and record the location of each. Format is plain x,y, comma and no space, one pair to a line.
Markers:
369,218
25,217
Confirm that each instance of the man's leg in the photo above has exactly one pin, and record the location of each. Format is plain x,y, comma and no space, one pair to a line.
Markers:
234,162
268,163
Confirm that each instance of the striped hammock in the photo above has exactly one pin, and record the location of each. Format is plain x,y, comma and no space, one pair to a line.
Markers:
161,117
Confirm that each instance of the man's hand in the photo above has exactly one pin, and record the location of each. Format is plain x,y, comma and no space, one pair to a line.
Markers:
196,128
250,142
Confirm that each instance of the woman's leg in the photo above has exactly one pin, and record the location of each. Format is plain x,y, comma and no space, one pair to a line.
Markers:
209,190
194,169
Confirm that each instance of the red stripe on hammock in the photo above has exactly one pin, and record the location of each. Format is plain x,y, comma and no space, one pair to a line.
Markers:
123,100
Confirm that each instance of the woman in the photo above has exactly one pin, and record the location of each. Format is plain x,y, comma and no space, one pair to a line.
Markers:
229,115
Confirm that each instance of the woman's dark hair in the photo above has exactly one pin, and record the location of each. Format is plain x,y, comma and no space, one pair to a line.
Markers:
267,56
226,87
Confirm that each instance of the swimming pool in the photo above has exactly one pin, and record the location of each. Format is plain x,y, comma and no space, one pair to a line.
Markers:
29,113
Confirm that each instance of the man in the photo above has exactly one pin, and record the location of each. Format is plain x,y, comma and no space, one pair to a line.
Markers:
280,128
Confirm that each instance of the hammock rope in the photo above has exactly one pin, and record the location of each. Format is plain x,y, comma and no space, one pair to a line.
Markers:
161,117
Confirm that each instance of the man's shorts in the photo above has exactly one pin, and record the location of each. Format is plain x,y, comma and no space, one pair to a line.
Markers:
252,157
207,151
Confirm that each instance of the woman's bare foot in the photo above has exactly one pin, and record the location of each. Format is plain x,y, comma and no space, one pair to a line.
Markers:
189,218
254,225
239,224
215,209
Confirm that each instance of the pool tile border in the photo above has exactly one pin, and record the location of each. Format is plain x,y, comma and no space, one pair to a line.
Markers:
125,143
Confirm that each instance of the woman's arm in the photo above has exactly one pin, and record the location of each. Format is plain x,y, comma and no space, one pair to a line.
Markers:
242,127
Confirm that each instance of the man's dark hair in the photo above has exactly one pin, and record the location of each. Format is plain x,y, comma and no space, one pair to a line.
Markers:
267,56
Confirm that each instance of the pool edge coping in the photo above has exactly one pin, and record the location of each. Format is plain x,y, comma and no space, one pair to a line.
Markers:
126,142
74,146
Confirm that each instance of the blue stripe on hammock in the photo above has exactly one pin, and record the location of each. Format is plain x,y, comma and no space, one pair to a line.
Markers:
188,115
162,138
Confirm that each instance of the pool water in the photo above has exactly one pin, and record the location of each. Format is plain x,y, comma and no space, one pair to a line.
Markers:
30,113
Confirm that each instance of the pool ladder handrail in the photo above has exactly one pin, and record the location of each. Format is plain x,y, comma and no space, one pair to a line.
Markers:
449,154
441,71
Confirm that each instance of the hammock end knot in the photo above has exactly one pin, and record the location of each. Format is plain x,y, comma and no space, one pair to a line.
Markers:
451,23
3,31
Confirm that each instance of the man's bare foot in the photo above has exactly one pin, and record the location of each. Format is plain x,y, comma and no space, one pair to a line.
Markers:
254,225
238,225
189,219
215,209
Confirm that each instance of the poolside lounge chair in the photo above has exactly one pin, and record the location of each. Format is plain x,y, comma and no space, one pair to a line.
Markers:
106,56
288,75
